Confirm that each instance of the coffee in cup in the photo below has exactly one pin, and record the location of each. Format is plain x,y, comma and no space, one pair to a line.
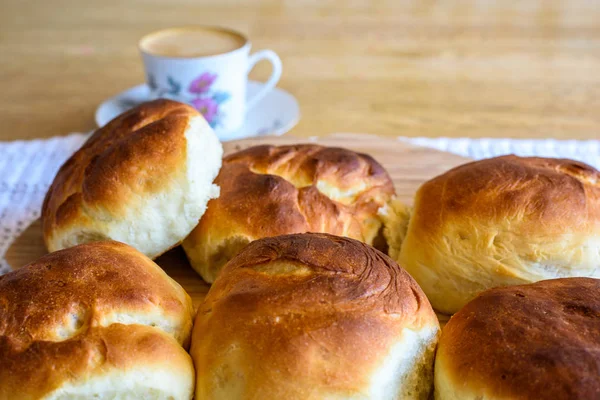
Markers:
191,42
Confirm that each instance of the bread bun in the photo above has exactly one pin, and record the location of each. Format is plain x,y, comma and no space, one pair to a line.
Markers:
144,179
98,320
536,341
501,221
313,316
269,191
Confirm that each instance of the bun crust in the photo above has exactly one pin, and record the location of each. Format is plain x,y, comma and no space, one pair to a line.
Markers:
133,178
268,191
94,319
536,341
311,316
502,221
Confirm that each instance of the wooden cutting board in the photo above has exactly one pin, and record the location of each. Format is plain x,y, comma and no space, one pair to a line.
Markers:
408,165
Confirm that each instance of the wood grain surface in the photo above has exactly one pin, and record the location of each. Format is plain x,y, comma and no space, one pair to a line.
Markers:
478,68
408,165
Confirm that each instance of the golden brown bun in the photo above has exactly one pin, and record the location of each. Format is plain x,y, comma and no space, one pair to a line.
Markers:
269,191
98,319
313,316
536,341
502,221
144,179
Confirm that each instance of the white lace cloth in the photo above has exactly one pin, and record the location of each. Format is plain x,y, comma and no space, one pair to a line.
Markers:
27,168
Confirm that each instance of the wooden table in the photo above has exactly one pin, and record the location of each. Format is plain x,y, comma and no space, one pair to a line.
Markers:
420,68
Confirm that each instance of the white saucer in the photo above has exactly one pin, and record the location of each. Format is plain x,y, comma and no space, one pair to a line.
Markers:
275,114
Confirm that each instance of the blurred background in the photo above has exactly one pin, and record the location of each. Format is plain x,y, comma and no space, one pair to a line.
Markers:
412,68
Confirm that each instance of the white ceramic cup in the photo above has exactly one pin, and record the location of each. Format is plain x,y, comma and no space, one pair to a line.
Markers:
214,84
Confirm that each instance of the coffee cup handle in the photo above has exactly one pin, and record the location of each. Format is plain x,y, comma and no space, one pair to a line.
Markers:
273,79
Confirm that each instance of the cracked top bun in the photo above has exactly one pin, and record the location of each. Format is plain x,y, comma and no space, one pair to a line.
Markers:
276,190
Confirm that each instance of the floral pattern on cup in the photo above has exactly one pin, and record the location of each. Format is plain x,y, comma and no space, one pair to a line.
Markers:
200,95
206,100
173,90
208,108
202,83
